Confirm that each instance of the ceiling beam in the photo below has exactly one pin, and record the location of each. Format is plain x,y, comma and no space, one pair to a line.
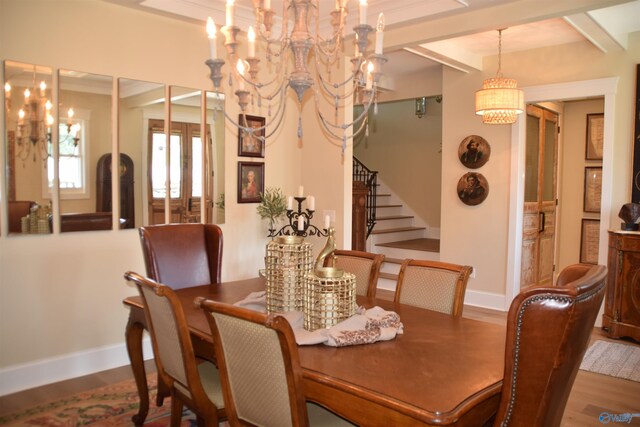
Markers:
592,31
444,59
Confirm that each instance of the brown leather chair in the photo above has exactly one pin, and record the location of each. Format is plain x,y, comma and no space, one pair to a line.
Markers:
182,255
365,266
196,385
548,331
17,210
433,285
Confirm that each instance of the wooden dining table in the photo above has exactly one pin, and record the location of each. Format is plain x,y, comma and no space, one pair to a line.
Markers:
442,370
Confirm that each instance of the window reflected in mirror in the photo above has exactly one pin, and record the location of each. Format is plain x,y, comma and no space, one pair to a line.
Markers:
28,125
84,130
214,153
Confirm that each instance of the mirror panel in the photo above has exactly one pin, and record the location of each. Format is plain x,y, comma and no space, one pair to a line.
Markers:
28,121
214,167
84,151
141,104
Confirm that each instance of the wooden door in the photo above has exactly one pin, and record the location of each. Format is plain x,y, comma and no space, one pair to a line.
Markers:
540,200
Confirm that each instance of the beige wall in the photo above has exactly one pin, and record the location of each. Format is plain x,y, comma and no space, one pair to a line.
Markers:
571,171
62,294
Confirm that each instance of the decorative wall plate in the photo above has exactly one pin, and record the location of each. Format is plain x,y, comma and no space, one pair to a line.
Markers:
474,151
473,188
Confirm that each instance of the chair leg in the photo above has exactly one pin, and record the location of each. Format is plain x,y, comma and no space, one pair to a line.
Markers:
176,410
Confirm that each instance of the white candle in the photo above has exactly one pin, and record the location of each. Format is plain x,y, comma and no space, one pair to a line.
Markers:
267,4
300,223
301,191
7,90
363,12
211,33
229,10
289,203
369,76
312,203
43,88
240,68
251,36
70,114
327,222
27,94
379,34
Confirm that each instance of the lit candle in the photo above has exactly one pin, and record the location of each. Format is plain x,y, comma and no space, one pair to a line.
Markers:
300,223
301,191
229,10
369,76
211,33
267,4
327,222
379,34
240,68
20,116
43,88
75,129
251,36
312,203
289,203
7,90
363,12
70,115
49,119
27,94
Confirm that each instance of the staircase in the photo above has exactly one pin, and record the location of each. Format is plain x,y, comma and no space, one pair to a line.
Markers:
399,234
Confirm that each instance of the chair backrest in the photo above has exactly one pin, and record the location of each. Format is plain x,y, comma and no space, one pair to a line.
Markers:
259,366
365,266
548,331
182,255
433,285
172,347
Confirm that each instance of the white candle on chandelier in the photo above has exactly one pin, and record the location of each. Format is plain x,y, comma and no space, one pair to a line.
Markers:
379,34
301,191
229,10
267,4
327,222
211,33
43,88
240,68
251,37
363,12
70,114
290,203
7,90
300,223
312,203
27,94
369,76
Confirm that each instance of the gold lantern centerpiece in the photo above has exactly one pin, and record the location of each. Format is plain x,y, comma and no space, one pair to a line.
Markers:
288,261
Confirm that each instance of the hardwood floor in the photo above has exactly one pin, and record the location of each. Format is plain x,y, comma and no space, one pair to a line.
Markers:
591,395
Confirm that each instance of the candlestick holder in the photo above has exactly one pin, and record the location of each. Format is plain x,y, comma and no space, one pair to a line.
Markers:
291,229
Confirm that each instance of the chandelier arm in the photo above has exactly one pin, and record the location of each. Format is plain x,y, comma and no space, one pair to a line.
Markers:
327,87
326,122
252,130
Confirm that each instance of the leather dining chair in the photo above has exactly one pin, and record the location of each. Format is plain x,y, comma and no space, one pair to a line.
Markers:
196,385
365,266
548,330
182,255
261,388
433,285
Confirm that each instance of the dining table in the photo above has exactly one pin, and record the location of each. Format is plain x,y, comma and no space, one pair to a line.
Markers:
442,370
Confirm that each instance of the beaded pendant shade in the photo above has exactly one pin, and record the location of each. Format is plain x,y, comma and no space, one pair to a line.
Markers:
500,101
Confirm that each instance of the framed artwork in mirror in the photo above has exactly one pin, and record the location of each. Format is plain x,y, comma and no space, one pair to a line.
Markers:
250,181
473,188
589,241
249,143
592,188
474,151
595,136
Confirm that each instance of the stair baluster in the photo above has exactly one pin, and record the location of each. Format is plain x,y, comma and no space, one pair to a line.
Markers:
370,178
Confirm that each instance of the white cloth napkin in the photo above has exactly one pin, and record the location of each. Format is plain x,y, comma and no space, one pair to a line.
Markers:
364,327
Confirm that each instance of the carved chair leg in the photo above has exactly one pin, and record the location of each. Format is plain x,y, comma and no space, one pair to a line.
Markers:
176,410
133,336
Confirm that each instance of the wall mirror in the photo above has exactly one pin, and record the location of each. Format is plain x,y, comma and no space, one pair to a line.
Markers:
214,120
84,141
28,122
139,105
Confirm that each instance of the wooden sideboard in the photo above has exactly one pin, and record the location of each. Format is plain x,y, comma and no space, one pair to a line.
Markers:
622,301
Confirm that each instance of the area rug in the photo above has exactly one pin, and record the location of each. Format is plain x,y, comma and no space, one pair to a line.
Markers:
112,405
616,360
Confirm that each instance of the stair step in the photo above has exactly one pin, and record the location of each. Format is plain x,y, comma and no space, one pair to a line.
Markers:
388,206
389,276
390,217
393,260
383,195
427,245
400,229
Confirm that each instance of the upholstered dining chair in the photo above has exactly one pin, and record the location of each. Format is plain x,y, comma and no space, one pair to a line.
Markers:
433,285
261,388
181,255
365,266
548,330
196,385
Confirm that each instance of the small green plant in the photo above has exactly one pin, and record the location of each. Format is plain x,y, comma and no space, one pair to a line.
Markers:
272,206
220,201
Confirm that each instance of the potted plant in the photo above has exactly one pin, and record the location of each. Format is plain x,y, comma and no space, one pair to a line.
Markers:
273,206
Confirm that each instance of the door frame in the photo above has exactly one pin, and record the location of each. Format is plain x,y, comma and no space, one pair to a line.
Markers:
606,87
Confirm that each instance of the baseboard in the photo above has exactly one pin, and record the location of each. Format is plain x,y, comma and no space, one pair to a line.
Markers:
484,300
46,371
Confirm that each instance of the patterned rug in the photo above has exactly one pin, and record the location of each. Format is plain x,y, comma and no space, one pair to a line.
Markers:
616,360
112,405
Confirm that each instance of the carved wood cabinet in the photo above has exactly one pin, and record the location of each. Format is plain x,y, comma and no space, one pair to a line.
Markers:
622,300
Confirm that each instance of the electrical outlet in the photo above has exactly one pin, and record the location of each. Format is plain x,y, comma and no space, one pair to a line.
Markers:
473,273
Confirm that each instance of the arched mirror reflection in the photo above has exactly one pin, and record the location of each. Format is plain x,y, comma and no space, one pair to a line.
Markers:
84,130
140,103
28,121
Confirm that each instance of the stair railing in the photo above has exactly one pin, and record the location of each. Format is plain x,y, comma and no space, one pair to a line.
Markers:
370,178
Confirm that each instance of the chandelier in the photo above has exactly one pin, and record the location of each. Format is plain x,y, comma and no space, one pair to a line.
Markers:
297,47
499,101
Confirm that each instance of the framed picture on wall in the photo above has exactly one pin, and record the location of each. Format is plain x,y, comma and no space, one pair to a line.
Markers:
589,241
595,136
249,143
592,188
250,182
